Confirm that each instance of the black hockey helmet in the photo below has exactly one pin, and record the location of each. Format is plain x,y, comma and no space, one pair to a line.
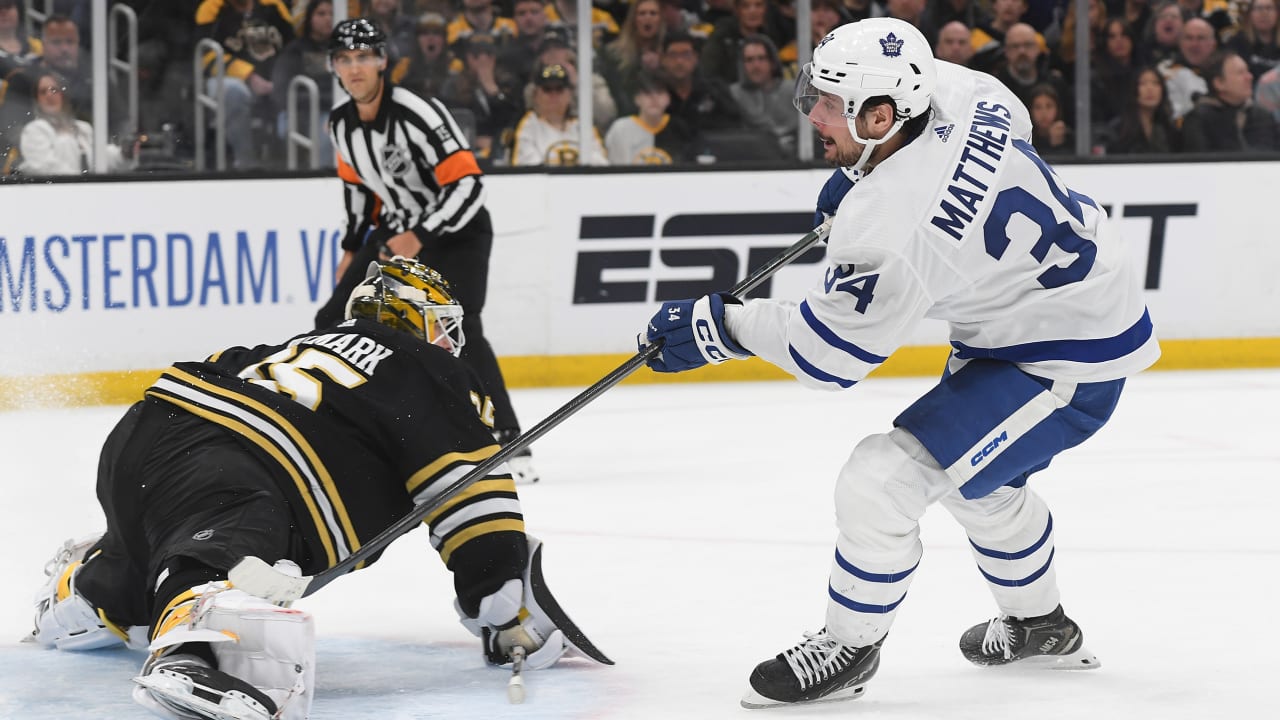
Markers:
355,34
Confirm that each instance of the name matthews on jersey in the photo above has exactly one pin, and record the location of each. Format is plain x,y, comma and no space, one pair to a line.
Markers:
984,146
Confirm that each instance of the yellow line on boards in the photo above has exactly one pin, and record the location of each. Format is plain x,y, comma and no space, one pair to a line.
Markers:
124,387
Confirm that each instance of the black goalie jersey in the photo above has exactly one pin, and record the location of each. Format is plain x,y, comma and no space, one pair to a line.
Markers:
358,423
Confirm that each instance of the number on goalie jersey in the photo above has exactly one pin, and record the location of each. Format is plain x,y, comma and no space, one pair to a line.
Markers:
357,424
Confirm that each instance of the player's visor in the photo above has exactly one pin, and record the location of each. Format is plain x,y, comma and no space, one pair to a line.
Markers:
820,107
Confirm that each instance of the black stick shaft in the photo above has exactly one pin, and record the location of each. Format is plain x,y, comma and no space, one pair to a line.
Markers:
420,512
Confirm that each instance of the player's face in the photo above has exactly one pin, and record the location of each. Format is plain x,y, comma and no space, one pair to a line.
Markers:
838,146
360,71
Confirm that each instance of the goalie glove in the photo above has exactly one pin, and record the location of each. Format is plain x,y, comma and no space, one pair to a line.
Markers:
693,334
524,612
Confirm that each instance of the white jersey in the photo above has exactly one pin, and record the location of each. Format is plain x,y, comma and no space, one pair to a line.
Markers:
965,224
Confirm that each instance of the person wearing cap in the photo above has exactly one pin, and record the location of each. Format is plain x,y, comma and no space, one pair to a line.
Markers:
413,188
556,50
548,133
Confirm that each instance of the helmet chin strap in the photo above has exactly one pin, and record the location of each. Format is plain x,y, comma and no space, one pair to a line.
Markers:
868,145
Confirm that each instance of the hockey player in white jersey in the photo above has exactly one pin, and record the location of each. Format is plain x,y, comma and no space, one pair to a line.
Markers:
951,215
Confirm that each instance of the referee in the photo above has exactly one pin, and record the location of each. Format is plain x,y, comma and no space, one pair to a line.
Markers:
412,188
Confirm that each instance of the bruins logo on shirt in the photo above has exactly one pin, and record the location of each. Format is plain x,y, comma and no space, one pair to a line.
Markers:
396,160
563,153
652,156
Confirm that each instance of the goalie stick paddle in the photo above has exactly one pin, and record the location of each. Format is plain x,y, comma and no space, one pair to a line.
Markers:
254,576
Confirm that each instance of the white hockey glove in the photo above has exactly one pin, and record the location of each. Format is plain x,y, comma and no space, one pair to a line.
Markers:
503,623
524,612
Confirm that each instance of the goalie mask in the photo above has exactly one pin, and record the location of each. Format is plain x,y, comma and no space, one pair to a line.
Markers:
870,58
411,297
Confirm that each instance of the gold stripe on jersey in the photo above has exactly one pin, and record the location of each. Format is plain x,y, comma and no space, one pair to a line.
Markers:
448,545
305,462
476,489
270,448
448,466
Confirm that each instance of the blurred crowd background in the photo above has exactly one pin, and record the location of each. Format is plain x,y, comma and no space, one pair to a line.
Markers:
670,81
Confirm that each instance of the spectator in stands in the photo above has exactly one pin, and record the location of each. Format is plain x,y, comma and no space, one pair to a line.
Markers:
650,136
1137,14
307,55
564,14
475,89
556,51
911,11
398,27
518,56
479,16
1258,38
428,66
633,53
988,37
938,14
1049,132
953,43
675,18
16,49
252,33
1063,56
1113,73
1266,92
1226,120
763,97
824,16
548,133
1025,66
704,104
1146,124
859,9
1160,39
55,142
1183,73
721,51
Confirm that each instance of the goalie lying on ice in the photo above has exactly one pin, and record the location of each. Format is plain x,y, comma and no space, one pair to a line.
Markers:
297,453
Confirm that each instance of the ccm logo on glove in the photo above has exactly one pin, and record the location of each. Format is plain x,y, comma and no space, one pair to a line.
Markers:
693,334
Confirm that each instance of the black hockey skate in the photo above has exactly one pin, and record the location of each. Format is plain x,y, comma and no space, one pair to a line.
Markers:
186,686
1049,641
819,669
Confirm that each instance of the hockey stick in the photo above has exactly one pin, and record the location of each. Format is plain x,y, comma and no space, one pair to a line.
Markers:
256,577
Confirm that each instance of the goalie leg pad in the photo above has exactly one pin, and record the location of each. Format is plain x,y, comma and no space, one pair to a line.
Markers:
64,618
271,648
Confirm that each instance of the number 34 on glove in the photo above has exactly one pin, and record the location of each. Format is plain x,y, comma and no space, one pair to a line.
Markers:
692,333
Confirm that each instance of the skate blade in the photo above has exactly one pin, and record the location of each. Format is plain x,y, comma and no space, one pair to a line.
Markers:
755,701
1081,659
174,693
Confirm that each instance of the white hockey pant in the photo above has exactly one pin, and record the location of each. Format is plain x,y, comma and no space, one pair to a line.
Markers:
881,493
270,647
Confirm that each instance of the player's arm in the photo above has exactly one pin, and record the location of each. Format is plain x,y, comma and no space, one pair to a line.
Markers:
862,309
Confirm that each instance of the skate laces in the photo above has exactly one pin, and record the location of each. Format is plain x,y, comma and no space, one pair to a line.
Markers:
999,637
817,658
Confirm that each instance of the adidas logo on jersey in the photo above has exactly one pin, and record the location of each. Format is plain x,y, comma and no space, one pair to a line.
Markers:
944,132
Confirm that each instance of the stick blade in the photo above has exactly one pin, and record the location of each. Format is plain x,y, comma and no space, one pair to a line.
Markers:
254,576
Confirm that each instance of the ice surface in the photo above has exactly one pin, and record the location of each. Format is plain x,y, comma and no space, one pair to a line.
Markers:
688,530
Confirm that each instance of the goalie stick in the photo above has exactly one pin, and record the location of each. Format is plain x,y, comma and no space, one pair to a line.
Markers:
256,577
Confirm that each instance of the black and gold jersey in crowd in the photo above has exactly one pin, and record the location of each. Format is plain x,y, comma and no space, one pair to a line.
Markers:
357,423
410,168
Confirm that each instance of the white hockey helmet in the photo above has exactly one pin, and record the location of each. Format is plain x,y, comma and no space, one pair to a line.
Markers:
865,59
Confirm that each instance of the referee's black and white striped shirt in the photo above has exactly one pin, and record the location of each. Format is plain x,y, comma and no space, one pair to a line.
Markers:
409,169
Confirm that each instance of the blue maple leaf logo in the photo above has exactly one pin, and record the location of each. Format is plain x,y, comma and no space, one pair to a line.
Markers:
891,45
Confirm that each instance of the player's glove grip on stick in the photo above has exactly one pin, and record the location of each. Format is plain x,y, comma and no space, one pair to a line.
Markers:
693,333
